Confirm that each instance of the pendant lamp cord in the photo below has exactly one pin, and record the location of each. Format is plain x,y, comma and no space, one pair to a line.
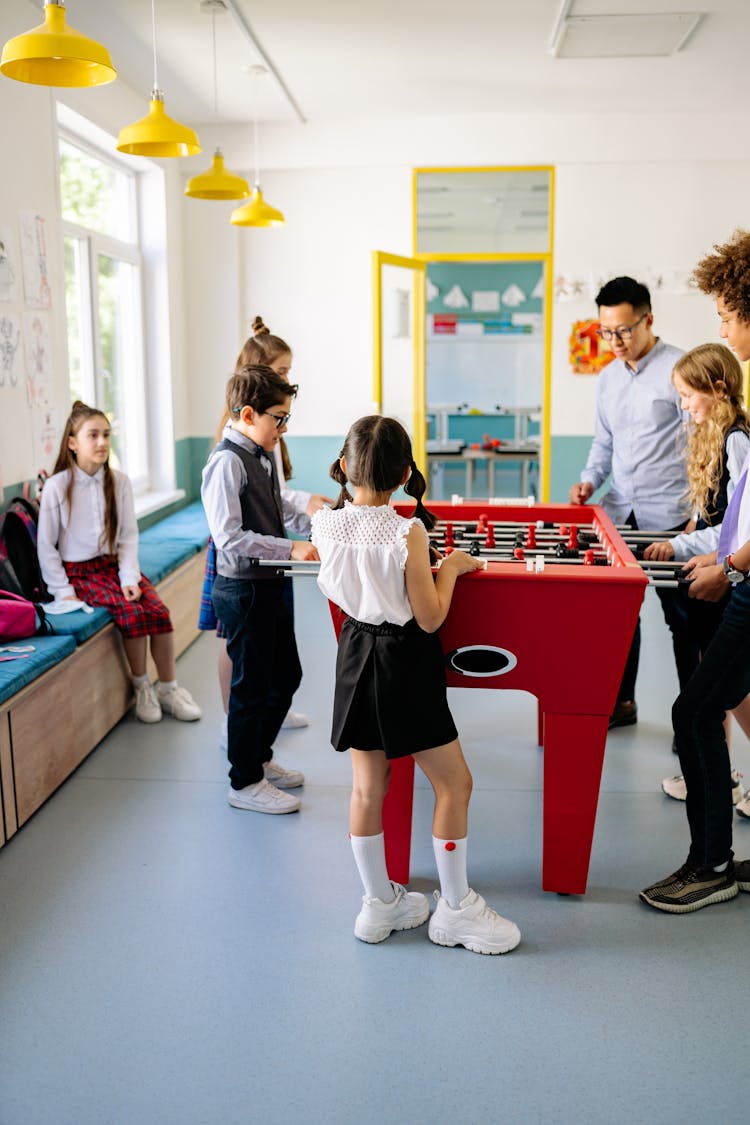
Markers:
216,87
153,39
257,71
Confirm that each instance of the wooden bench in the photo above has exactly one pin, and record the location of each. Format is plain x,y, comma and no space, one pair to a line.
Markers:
54,721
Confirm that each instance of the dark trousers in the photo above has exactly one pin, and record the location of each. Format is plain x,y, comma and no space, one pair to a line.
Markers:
674,604
720,683
266,670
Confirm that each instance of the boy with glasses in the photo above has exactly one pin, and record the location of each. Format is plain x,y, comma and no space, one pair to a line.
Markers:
639,443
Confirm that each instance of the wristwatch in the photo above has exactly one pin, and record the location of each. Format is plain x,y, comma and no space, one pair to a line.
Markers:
731,571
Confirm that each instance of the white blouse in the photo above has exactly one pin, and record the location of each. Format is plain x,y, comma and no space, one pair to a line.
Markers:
74,533
362,561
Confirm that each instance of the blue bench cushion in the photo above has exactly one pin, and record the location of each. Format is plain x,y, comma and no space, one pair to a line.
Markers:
48,651
159,558
189,523
79,625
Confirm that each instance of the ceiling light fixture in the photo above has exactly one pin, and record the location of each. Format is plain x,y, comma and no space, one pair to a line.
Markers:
216,183
256,212
157,134
55,55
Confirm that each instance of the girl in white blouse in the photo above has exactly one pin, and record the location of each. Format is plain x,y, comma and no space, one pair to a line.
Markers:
88,550
390,698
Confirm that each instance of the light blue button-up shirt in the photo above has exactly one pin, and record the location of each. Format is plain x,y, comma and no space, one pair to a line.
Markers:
639,439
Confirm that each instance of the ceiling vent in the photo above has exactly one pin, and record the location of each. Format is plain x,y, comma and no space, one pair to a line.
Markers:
631,35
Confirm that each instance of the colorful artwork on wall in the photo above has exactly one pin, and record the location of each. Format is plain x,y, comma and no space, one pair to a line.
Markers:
588,354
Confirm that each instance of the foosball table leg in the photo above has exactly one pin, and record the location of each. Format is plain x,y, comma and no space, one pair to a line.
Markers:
397,816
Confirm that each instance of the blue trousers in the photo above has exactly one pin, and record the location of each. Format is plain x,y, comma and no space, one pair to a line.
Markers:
719,683
266,669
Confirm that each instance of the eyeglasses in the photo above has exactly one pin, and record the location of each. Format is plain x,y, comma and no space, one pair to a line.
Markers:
623,334
280,419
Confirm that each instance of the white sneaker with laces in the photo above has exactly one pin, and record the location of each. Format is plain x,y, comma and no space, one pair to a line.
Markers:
281,778
147,707
179,702
474,925
742,807
294,720
263,797
377,919
676,787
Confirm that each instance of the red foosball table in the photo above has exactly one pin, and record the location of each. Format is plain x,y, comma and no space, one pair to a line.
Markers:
558,571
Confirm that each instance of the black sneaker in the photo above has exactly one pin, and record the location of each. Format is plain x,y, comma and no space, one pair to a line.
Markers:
625,714
692,888
742,874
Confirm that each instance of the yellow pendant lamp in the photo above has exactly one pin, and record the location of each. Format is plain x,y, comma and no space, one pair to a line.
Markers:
256,212
157,134
55,55
217,182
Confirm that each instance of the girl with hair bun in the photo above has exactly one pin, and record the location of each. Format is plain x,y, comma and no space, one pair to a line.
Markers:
390,699
88,550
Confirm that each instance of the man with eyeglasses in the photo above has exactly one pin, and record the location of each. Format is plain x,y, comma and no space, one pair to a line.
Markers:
639,443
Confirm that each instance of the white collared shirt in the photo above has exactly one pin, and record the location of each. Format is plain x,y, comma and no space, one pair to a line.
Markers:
74,533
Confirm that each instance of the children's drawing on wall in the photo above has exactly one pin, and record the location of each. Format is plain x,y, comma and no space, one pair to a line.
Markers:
8,267
588,354
38,358
10,339
36,285
46,434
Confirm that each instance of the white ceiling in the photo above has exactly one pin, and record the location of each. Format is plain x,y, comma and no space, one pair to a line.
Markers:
348,59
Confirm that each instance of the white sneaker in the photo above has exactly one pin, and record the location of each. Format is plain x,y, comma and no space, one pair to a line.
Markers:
377,919
263,797
742,807
179,702
676,787
474,925
294,720
147,707
281,778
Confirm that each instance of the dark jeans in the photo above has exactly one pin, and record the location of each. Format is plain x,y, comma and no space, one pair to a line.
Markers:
674,604
720,682
266,670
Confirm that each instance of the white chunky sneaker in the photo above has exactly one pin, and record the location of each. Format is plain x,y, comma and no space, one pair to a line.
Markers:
179,702
147,707
377,919
281,778
676,787
294,720
263,797
474,925
742,807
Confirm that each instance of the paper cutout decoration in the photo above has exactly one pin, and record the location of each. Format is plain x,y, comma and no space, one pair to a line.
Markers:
513,296
46,434
36,285
588,354
8,265
432,290
455,298
36,346
10,339
485,300
537,293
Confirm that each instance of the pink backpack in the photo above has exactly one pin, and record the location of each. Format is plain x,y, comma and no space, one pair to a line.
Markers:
19,618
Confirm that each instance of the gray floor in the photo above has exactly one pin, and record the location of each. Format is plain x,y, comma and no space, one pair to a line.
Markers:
167,959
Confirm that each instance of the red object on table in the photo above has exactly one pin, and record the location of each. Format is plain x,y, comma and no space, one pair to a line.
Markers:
511,616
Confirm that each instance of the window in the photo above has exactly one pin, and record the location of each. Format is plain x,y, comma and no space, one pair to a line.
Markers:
103,297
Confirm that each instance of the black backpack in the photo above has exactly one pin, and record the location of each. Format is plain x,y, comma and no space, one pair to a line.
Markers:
20,572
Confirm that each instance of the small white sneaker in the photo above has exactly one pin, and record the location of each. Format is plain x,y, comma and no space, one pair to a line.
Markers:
377,919
742,807
179,702
263,797
147,707
281,778
474,925
676,787
294,720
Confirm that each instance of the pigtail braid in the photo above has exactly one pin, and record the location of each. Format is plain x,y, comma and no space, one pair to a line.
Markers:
337,473
416,486
109,532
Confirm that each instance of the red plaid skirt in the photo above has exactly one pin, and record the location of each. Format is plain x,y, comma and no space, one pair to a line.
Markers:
97,582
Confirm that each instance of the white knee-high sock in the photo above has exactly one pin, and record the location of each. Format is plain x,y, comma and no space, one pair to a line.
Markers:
369,855
450,856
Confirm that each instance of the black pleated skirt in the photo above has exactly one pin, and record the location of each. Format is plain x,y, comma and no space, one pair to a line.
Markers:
390,690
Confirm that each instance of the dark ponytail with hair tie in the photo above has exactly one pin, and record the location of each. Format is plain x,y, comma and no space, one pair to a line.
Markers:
416,486
337,473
